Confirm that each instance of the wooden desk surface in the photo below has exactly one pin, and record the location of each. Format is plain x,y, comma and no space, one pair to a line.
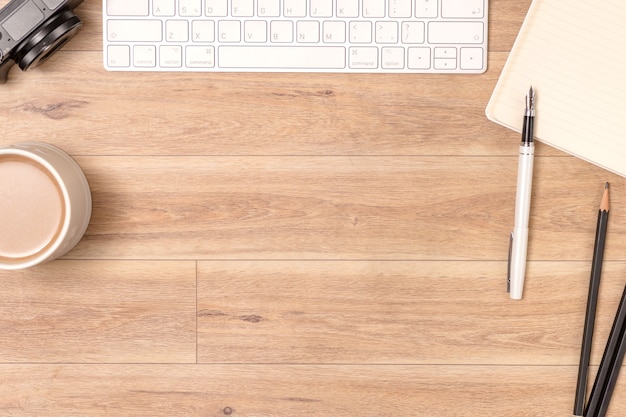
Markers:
300,245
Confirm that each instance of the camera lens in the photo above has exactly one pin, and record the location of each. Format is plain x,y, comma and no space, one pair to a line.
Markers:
48,38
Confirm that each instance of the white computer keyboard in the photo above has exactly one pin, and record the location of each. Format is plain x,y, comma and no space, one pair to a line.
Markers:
407,36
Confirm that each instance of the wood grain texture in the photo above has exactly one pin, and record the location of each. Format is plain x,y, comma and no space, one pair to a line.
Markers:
417,208
115,312
397,312
300,245
282,390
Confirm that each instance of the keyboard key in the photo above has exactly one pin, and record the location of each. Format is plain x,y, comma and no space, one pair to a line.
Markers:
307,31
190,8
455,32
386,32
361,32
164,7
229,31
413,32
282,57
426,8
281,31
334,32
392,57
399,8
418,58
374,8
203,30
127,8
347,8
177,30
444,63
472,9
363,57
171,56
216,8
144,56
321,8
268,8
255,31
134,30
471,58
294,8
200,57
118,56
242,8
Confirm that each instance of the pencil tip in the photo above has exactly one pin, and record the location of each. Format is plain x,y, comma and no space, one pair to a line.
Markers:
604,204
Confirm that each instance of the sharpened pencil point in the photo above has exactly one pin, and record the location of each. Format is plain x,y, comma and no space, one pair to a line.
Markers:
604,205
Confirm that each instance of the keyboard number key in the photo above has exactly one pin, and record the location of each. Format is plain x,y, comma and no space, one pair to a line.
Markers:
363,57
418,58
199,56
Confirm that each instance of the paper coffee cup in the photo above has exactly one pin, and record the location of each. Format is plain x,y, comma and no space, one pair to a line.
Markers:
45,204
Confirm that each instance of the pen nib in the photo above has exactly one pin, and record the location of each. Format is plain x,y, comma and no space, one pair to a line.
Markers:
530,100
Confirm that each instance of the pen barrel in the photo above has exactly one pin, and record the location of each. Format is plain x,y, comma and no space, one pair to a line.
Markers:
522,215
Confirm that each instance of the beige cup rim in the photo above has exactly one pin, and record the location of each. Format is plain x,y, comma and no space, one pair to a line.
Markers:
38,258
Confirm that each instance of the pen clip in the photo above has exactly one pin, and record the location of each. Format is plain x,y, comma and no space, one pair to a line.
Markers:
508,266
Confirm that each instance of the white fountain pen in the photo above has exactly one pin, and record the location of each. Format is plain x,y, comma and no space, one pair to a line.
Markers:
519,236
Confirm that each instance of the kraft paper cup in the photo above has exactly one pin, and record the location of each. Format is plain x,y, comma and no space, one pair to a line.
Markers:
45,204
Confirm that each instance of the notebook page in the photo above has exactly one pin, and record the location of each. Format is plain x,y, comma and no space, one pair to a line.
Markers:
573,53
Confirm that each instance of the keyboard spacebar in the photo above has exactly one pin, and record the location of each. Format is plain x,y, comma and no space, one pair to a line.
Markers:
282,57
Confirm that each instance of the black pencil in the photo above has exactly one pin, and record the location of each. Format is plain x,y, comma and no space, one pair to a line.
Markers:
609,365
592,300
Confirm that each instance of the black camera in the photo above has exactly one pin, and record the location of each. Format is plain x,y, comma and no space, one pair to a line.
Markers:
32,30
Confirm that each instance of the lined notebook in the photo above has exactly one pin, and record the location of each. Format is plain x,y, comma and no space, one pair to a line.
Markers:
573,53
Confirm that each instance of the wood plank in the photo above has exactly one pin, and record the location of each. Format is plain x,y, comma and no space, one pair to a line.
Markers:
416,208
269,390
107,311
397,312
253,114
